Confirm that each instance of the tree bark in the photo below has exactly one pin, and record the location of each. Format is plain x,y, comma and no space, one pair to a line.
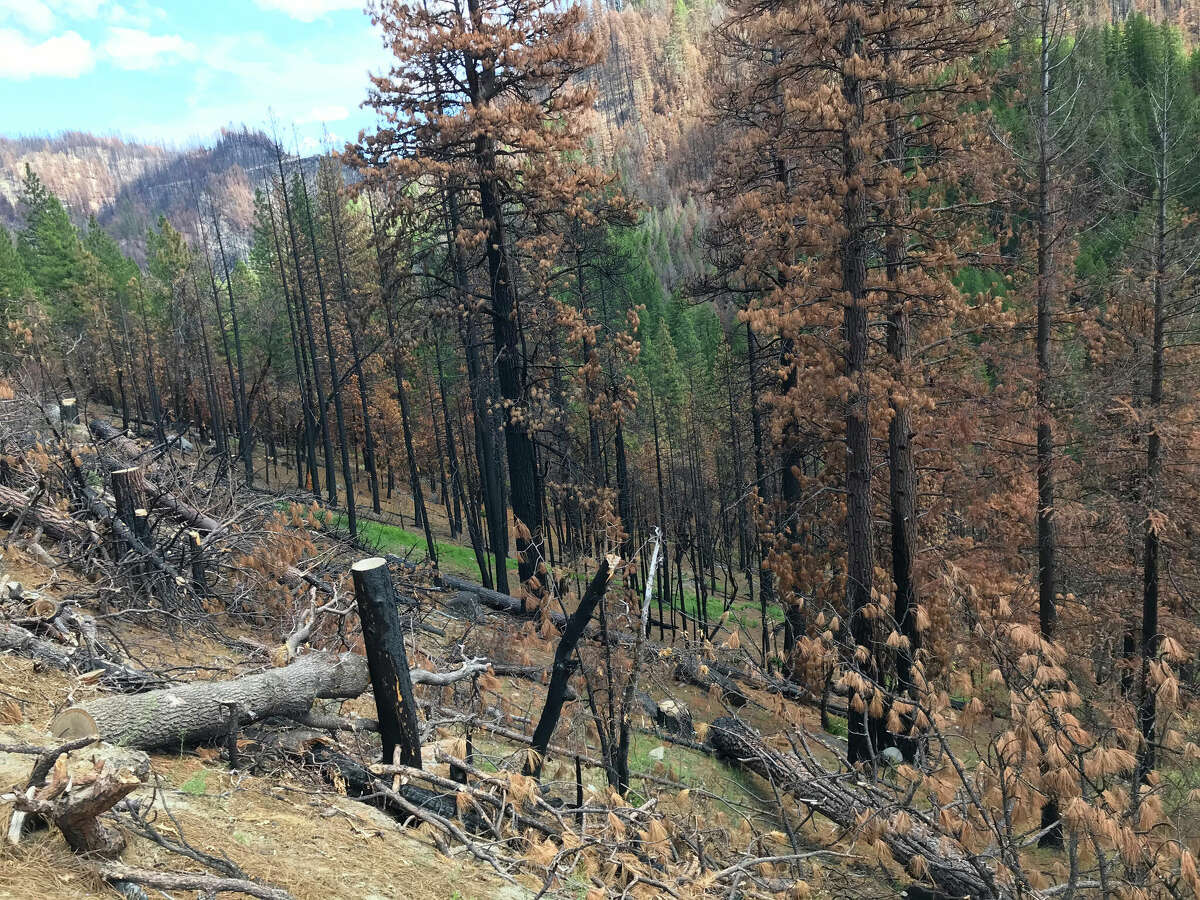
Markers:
860,562
561,673
182,715
388,661
524,493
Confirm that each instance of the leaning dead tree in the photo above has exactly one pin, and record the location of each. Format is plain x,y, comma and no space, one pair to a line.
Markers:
561,674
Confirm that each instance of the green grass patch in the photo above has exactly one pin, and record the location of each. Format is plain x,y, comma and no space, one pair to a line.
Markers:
692,768
452,558
197,785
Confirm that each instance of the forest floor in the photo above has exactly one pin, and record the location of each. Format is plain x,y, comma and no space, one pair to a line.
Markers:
294,832
291,828
291,823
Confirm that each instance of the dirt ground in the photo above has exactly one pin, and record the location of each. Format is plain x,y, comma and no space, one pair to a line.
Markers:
314,843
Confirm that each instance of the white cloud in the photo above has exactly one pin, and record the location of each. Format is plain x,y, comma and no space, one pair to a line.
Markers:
65,55
250,78
308,10
31,14
131,48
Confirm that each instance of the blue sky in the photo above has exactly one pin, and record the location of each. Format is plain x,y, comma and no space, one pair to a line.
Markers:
168,71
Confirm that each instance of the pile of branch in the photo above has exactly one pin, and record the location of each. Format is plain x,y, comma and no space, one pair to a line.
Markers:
59,635
849,802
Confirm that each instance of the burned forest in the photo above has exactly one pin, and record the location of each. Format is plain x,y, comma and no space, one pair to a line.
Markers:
712,448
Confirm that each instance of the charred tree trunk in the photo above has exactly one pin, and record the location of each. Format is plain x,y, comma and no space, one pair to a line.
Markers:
1147,713
561,673
524,493
334,382
302,299
368,434
384,640
766,577
860,563
303,385
245,441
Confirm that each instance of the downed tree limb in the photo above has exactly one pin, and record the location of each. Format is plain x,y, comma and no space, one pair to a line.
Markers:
207,885
847,804
14,505
468,669
128,452
26,643
198,711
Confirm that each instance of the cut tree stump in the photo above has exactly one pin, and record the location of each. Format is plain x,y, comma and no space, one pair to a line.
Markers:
188,713
388,661
74,804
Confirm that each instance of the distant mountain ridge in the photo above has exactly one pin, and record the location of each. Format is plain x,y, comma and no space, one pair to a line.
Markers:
127,185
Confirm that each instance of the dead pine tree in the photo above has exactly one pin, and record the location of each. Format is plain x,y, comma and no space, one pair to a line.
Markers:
510,138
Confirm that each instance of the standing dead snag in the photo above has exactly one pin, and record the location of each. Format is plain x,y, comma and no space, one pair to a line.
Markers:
383,637
556,692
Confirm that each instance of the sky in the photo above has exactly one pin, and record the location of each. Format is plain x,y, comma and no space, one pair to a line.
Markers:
175,72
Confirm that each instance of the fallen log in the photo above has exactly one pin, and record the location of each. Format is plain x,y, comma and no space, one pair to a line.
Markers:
200,710
56,524
26,643
847,802
116,676
512,606
207,885
692,671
